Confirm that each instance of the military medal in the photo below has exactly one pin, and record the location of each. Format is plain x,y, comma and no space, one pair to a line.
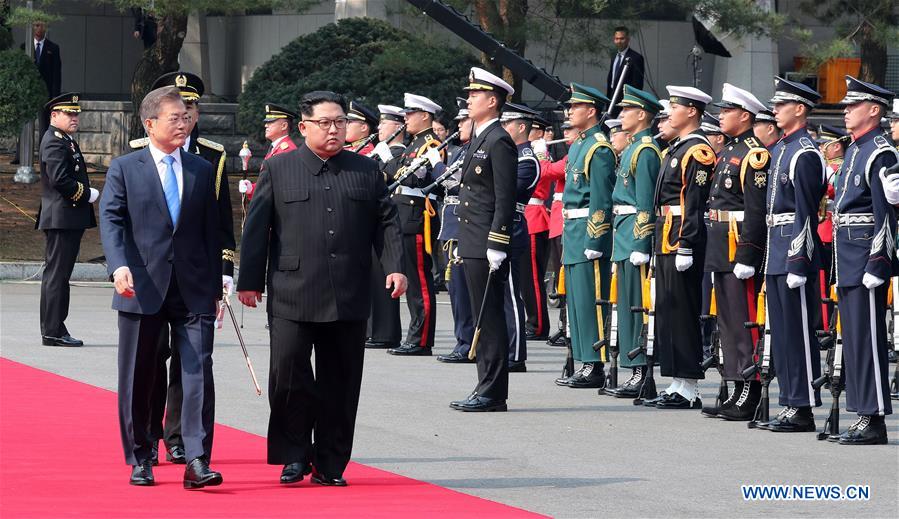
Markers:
477,170
858,180
783,178
674,162
728,183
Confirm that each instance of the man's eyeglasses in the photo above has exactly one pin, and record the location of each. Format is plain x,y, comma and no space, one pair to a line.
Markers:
325,124
175,119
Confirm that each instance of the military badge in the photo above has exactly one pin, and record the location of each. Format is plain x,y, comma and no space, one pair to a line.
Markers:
702,177
760,178
58,134
728,183
283,145
599,216
642,217
74,99
784,178
674,162
477,170
857,180
181,80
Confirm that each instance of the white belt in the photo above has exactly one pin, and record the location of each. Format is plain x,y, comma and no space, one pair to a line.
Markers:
571,214
773,220
853,219
451,200
669,209
557,197
519,207
719,215
624,209
536,201
413,191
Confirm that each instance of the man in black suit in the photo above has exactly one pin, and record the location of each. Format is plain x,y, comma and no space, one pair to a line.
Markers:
66,210
487,205
159,224
634,75
315,216
49,65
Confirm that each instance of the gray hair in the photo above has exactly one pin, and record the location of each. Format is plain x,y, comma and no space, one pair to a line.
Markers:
149,107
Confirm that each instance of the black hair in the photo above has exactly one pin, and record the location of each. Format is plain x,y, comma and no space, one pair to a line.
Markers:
308,101
622,28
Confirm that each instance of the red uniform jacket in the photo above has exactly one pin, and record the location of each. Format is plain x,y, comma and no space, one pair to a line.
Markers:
555,171
284,146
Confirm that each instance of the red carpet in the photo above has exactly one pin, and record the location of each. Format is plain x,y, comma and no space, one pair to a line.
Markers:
61,456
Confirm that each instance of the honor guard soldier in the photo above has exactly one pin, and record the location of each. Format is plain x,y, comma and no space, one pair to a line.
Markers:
666,133
360,128
632,199
487,208
554,172
384,327
711,127
460,299
66,210
866,259
516,120
795,187
893,117
680,199
765,128
587,235
832,142
736,245
415,212
617,137
278,122
168,401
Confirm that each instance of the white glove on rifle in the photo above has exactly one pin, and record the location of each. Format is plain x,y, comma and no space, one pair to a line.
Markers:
639,258
743,271
871,281
592,254
495,258
890,180
227,285
244,185
795,280
683,261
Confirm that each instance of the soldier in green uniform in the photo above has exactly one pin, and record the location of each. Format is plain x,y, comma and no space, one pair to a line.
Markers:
587,234
632,201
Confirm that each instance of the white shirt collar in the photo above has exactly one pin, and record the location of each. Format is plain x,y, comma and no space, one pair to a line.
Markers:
158,154
279,139
480,127
36,41
186,146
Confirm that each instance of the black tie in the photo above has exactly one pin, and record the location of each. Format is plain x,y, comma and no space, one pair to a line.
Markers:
37,53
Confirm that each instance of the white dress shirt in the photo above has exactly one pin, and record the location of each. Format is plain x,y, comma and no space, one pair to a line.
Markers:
279,139
480,127
158,155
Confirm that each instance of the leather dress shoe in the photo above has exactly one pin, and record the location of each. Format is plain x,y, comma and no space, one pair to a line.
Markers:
557,341
476,403
867,430
380,345
743,409
795,419
142,474
154,454
65,340
517,367
325,481
564,381
677,401
294,472
592,377
631,387
455,358
410,350
197,474
175,454
652,402
531,336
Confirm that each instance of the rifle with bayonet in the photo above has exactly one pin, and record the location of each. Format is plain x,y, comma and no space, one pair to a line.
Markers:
716,358
418,163
647,334
610,341
762,367
833,377
452,169
365,142
386,141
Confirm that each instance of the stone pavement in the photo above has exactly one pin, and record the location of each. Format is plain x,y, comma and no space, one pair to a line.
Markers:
558,451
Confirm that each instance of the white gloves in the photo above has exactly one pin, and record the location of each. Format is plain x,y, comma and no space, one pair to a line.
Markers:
244,185
871,281
539,146
94,196
227,285
495,258
592,254
890,186
743,271
683,261
795,281
639,258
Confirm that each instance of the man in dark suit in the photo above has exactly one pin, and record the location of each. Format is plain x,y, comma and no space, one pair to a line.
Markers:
49,65
159,224
66,210
489,176
315,216
634,75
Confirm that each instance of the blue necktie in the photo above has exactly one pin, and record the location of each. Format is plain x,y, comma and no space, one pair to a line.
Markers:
37,53
170,187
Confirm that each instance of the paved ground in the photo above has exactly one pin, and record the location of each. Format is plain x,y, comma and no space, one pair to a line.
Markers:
562,452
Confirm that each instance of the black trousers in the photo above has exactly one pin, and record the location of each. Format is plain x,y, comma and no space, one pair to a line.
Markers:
736,300
384,322
59,261
493,343
678,303
866,369
420,296
533,286
165,407
514,309
317,406
460,301
192,337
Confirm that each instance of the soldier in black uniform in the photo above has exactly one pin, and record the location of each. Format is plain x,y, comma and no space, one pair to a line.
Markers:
736,245
866,260
66,210
415,212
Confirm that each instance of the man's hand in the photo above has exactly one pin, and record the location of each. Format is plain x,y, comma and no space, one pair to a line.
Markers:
743,271
871,281
592,254
244,186
227,285
249,297
94,196
683,261
398,282
136,35
495,258
639,258
795,280
124,283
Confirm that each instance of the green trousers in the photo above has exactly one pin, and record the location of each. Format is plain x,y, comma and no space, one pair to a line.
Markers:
582,290
630,324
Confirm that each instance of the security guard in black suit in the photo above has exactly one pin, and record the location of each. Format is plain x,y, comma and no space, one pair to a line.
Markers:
167,396
796,181
66,210
487,206
415,212
865,227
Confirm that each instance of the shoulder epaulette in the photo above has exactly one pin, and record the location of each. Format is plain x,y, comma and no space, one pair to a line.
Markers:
527,152
752,142
58,134
210,144
807,143
758,157
646,143
139,143
881,142
703,154
600,137
646,139
601,143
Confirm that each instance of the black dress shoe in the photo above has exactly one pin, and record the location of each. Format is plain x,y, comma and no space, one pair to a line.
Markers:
631,387
743,409
65,340
867,430
294,472
677,401
410,350
142,474
175,454
652,402
380,345
795,419
517,367
531,336
480,404
457,404
455,358
154,454
592,377
325,481
564,381
197,474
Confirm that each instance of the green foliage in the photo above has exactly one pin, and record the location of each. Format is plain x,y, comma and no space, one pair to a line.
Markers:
22,16
180,7
362,58
5,38
22,92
